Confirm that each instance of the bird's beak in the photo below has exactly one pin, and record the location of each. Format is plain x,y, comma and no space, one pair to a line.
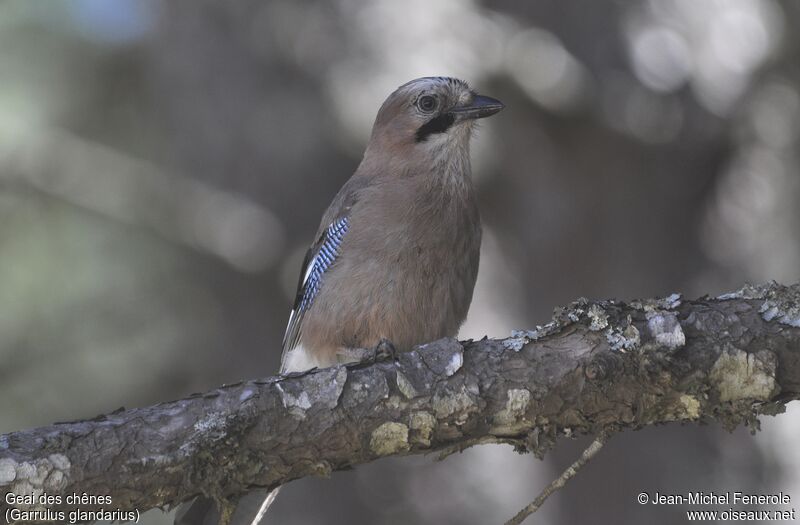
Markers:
479,107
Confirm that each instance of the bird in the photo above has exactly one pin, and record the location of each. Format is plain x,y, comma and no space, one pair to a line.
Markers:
396,255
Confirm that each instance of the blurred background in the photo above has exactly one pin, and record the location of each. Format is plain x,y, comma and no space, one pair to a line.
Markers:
164,165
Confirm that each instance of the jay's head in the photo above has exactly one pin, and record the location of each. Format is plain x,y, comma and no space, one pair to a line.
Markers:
430,114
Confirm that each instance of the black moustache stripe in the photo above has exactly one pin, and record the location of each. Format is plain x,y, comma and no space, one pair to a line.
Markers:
438,124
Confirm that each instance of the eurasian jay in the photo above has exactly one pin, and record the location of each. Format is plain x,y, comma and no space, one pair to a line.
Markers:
395,258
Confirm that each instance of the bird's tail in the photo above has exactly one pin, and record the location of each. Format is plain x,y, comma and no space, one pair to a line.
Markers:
250,510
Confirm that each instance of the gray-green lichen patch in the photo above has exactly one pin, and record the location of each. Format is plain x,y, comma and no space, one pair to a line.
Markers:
322,469
666,329
783,307
59,461
598,318
396,403
659,303
622,338
212,422
8,472
35,477
749,291
739,375
788,317
459,403
389,438
519,338
55,481
364,388
328,385
572,313
295,403
562,316
405,386
691,406
422,425
446,357
511,420
781,303
323,387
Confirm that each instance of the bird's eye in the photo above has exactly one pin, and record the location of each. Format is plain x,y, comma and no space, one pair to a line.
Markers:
427,103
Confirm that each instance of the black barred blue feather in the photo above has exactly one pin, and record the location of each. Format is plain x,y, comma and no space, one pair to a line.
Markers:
319,259
328,251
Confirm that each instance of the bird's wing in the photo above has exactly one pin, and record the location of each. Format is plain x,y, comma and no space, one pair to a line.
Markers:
319,259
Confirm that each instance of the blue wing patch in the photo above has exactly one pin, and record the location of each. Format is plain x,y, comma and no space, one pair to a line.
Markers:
319,259
328,252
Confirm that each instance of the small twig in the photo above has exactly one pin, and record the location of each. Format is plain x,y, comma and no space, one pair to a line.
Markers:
559,482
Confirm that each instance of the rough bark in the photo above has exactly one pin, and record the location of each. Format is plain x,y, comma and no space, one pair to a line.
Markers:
597,367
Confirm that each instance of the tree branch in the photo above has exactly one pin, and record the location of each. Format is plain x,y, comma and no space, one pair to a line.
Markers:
597,368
